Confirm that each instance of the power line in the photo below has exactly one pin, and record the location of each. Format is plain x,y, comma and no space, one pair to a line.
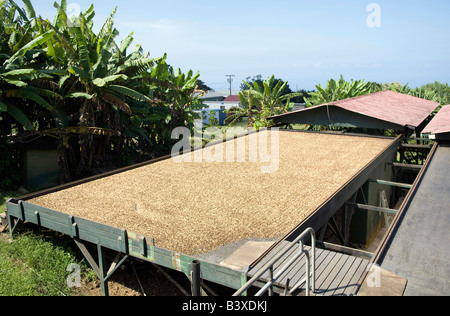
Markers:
230,81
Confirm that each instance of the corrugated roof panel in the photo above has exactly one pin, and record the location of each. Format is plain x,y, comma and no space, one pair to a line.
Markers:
440,123
390,106
384,106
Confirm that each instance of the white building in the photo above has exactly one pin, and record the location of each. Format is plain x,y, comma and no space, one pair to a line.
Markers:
218,102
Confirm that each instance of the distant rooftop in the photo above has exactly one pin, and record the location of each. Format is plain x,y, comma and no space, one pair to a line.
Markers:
217,94
232,98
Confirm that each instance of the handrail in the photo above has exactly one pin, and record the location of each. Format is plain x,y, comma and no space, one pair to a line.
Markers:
310,265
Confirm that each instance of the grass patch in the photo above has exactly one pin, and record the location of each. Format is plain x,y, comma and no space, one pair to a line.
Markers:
5,196
35,264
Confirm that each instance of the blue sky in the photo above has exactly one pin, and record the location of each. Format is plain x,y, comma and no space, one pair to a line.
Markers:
304,42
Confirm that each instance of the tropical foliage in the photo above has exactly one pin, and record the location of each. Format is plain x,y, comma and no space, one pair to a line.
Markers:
339,90
342,89
261,101
109,103
248,109
101,99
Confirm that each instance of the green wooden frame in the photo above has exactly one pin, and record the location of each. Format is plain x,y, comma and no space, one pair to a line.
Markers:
126,243
129,244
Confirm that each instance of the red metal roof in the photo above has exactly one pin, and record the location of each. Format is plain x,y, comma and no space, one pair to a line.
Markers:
232,98
440,123
387,106
390,106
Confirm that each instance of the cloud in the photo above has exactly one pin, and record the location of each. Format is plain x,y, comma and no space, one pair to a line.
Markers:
217,49
164,27
369,65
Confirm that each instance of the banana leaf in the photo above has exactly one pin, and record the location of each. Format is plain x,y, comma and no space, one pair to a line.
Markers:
20,117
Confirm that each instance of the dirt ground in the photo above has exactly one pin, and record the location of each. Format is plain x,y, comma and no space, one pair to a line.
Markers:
134,279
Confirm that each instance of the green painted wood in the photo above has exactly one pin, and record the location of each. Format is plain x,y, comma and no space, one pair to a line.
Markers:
122,241
210,271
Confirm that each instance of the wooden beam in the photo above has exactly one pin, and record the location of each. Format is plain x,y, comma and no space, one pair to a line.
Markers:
320,217
88,256
344,250
415,146
372,208
407,166
390,183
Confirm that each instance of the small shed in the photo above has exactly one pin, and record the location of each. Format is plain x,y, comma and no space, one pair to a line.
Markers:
379,110
439,127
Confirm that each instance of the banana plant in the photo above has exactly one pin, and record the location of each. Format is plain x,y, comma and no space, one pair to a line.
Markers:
100,75
269,99
248,109
18,66
338,90
61,79
100,71
177,90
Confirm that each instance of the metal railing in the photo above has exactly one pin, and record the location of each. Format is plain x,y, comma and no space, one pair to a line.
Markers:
310,277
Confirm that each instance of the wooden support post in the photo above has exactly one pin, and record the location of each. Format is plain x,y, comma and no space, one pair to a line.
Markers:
344,223
384,204
102,270
12,223
88,256
323,230
244,280
334,227
347,215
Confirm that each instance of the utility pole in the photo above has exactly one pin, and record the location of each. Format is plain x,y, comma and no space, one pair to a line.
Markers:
230,80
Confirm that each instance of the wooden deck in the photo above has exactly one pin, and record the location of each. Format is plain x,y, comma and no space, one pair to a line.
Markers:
336,274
